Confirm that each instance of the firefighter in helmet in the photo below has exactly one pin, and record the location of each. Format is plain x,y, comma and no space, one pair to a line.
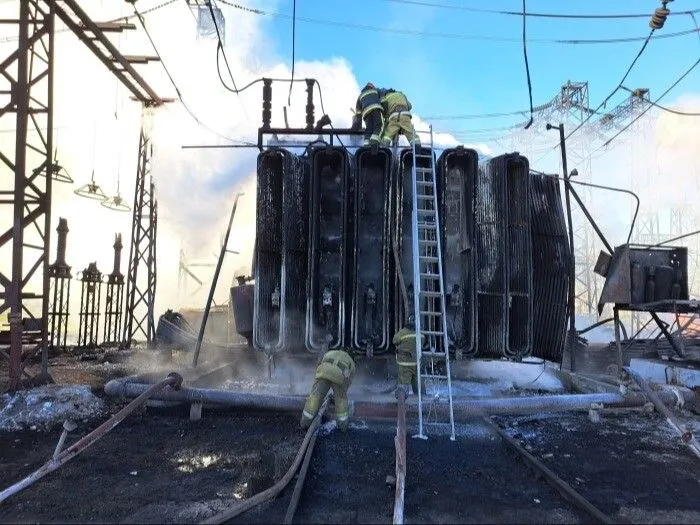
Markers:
406,357
335,370
397,118
369,109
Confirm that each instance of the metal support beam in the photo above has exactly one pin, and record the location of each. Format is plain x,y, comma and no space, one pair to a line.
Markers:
141,285
26,104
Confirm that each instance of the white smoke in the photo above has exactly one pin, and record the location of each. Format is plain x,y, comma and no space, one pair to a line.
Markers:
97,130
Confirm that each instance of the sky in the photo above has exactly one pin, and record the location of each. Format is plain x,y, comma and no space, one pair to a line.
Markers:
97,126
455,76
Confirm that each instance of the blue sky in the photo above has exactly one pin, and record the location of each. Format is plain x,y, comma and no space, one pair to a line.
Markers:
459,76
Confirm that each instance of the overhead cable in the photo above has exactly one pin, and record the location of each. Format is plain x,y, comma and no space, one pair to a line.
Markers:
172,80
527,68
654,103
667,109
533,15
294,28
456,36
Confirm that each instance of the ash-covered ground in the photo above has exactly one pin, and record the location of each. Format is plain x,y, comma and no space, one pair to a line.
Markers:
160,467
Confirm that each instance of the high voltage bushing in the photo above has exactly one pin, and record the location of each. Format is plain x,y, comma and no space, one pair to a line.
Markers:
310,119
60,278
267,103
91,288
114,297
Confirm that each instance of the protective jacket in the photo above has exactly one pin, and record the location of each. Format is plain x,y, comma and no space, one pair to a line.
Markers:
394,102
405,343
337,366
368,101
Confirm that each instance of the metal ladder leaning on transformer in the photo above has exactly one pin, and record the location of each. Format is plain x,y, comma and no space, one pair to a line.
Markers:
429,316
428,285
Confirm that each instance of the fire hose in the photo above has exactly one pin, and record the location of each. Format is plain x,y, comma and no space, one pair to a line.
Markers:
173,380
273,491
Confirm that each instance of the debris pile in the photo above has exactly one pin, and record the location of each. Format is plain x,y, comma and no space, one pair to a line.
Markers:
46,407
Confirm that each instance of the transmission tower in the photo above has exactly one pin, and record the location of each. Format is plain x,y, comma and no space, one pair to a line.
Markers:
27,92
141,279
572,106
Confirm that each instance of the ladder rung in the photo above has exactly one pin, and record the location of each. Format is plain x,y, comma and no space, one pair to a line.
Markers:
430,276
434,314
430,294
432,212
429,258
433,376
431,332
427,242
425,183
426,225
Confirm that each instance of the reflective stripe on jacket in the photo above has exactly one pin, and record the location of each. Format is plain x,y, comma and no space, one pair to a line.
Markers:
337,366
367,101
394,102
405,342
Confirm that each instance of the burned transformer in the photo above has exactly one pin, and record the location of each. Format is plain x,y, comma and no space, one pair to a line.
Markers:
324,268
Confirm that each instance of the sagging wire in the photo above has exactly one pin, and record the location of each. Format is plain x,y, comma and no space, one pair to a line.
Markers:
657,21
536,15
667,109
294,26
527,69
172,80
678,81
220,49
458,36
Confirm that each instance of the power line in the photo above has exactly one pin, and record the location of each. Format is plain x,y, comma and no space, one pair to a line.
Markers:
534,15
113,20
172,80
456,36
678,81
610,95
294,28
666,109
523,112
527,68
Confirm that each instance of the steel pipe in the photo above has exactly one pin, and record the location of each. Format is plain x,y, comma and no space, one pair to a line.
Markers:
173,379
464,408
686,436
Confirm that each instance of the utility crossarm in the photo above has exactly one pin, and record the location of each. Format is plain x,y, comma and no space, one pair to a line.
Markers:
92,34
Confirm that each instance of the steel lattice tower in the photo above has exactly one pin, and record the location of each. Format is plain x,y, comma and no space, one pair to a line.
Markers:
572,105
141,279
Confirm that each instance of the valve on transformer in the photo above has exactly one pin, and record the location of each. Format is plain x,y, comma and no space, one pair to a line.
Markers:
275,297
455,297
327,308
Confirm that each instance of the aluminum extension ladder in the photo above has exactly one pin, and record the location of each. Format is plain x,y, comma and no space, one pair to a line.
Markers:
429,290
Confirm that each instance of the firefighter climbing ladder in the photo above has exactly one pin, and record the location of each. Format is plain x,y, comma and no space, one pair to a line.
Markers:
428,289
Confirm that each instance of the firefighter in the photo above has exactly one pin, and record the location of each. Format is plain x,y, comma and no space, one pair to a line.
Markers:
397,118
369,108
335,370
405,343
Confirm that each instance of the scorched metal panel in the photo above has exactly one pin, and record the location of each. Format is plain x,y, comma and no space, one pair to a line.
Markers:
550,265
267,316
457,171
517,174
327,254
371,250
491,265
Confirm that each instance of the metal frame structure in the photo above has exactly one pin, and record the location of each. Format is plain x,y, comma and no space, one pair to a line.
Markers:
573,105
140,288
26,93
